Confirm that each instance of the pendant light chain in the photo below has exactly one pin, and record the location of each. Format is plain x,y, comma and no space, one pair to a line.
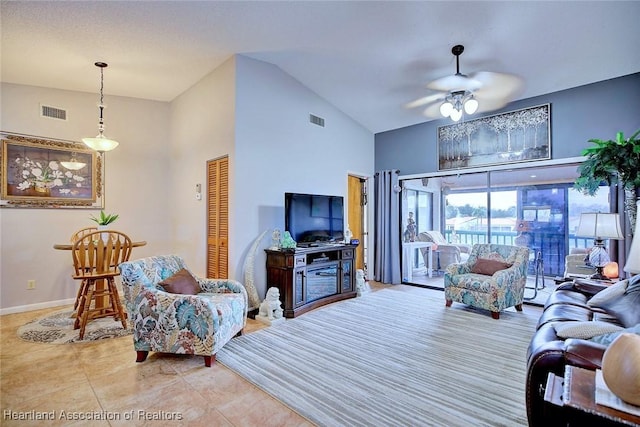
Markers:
101,143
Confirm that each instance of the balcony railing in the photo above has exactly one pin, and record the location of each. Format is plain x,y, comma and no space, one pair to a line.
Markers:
555,247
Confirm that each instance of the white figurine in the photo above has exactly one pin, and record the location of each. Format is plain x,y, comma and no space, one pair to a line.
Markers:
275,240
270,311
362,286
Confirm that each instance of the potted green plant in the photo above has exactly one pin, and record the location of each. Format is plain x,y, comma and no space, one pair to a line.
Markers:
614,162
104,219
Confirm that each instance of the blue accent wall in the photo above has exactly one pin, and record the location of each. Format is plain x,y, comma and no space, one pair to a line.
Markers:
597,110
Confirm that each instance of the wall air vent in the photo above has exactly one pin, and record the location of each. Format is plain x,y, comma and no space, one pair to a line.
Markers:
53,112
316,120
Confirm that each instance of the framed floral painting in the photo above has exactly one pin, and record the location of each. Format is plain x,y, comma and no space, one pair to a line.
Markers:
45,173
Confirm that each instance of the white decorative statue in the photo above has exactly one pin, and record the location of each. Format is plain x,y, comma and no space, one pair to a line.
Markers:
270,311
362,286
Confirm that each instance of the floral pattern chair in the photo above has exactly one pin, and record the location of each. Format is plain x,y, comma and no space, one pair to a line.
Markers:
505,288
175,323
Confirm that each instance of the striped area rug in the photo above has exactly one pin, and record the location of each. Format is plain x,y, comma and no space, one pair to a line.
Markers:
393,358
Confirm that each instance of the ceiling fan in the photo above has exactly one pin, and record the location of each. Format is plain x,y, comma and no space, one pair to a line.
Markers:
481,91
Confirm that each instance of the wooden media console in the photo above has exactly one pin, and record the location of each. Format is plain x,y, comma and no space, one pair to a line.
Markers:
312,277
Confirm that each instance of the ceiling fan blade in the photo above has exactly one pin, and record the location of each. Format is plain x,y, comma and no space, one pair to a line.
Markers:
433,111
491,104
454,82
425,100
497,85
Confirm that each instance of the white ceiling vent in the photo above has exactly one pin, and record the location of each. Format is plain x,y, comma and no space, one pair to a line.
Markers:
316,120
53,112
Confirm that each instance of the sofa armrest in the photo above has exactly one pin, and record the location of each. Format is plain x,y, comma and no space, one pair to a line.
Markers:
583,353
459,268
224,286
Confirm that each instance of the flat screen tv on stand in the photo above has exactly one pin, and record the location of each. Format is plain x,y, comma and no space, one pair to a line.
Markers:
314,219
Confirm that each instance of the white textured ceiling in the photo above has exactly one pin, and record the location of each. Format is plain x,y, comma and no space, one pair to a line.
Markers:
367,58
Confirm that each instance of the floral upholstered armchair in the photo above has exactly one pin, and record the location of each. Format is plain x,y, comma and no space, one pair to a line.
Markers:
493,278
173,311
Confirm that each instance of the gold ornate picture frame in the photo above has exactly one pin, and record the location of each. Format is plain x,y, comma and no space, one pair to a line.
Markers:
47,173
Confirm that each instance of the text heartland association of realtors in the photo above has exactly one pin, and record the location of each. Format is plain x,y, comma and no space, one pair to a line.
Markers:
137,415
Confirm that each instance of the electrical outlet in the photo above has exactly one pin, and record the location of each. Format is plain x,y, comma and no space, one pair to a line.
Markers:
31,284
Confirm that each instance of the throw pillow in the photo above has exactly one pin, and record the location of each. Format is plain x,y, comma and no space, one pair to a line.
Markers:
488,266
584,330
607,339
626,307
612,292
182,282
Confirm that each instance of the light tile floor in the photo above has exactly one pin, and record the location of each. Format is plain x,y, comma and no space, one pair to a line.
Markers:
102,379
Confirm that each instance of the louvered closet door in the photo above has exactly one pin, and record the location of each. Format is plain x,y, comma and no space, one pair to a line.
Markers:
355,216
218,218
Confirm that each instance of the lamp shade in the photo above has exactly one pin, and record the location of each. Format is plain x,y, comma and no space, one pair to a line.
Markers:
633,257
600,226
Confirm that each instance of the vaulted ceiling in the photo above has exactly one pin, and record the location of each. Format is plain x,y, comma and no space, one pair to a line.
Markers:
368,59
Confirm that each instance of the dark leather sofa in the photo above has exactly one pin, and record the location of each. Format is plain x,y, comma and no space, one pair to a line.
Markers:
548,352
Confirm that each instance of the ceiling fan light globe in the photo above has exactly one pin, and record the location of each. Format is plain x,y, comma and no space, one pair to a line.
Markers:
446,109
456,115
471,106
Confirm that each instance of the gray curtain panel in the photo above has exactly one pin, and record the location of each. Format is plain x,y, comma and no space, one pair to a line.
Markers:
387,227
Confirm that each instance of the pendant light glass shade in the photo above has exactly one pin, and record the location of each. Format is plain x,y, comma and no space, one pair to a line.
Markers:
101,143
73,164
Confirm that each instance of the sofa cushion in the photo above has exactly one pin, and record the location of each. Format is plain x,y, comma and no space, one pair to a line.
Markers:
584,330
488,266
607,339
624,307
182,282
610,293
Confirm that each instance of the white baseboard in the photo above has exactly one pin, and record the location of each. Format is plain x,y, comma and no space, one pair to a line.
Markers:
38,306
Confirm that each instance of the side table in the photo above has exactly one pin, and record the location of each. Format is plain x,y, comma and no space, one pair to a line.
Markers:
576,394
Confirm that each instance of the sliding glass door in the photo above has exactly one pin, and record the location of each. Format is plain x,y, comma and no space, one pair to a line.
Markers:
534,207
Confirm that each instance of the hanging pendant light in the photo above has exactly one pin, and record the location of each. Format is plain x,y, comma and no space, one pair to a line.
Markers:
73,164
101,143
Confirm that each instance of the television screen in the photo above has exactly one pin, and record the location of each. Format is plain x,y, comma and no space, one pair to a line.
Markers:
314,219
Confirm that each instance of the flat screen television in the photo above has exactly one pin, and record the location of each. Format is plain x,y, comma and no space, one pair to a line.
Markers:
314,219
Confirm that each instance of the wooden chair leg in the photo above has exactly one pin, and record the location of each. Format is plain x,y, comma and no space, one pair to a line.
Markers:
208,360
519,307
87,307
81,303
141,355
115,302
81,292
448,302
495,314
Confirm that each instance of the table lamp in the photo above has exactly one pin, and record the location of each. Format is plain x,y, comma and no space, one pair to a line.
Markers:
633,257
599,226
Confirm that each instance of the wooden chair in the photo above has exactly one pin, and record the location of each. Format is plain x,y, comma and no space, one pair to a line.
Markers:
74,237
96,257
81,233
